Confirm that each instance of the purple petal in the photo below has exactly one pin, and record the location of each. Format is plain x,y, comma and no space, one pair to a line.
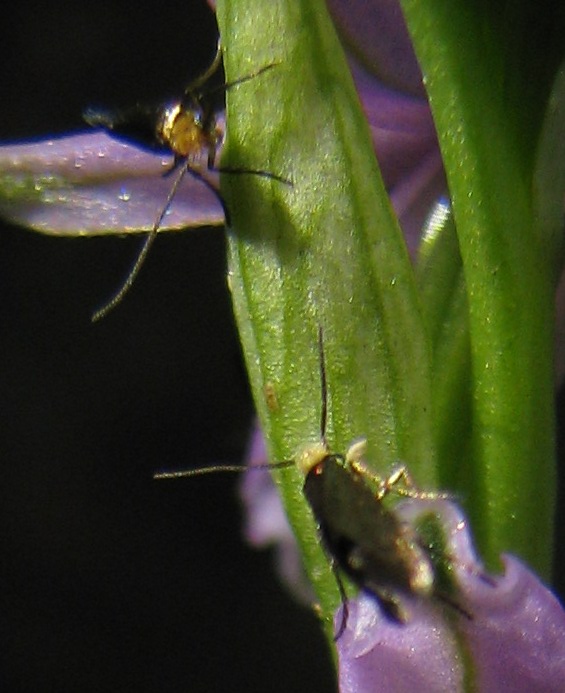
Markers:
405,141
266,523
389,84
94,184
378,655
376,34
515,639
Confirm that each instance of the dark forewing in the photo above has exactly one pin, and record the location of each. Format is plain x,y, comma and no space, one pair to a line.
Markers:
365,538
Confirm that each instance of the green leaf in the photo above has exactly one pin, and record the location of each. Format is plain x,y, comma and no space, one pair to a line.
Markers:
444,301
487,102
326,251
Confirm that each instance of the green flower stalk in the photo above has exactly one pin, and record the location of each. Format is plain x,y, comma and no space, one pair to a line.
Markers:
489,119
326,252
442,359
475,328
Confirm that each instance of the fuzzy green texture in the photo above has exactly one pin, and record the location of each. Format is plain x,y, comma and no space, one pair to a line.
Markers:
488,85
444,299
326,251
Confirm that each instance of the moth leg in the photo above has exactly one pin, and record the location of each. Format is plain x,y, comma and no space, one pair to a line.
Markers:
408,488
344,601
354,460
389,603
453,604
392,608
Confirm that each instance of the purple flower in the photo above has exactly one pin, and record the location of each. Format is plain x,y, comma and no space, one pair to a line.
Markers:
515,638
389,83
94,184
266,523
390,56
515,635
407,150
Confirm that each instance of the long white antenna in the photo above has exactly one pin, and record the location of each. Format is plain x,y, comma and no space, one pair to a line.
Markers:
182,473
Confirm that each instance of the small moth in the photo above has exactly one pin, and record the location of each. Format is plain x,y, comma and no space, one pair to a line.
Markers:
364,538
189,129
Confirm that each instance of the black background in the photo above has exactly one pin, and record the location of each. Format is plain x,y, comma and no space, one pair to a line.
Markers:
110,581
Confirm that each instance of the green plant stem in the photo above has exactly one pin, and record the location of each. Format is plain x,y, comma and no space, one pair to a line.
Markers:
508,270
326,251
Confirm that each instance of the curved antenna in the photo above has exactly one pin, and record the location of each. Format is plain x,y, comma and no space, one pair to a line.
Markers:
194,91
182,473
129,280
152,235
210,70
229,85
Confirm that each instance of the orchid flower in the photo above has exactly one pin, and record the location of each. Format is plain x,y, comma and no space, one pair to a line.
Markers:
92,184
443,362
447,366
